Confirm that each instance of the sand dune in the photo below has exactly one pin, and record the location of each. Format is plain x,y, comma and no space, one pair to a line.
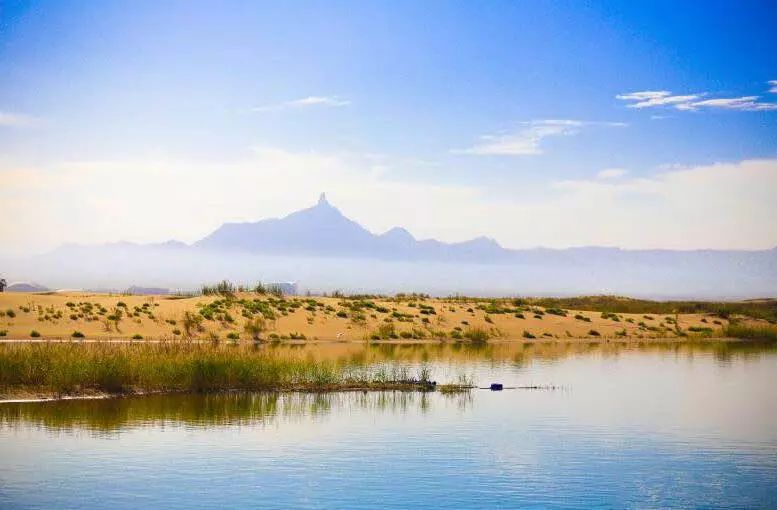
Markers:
110,316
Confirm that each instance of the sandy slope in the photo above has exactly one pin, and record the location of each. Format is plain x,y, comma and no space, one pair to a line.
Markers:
152,317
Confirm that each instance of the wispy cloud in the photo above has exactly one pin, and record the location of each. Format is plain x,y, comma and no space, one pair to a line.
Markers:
692,102
611,173
650,98
17,120
527,140
747,103
305,102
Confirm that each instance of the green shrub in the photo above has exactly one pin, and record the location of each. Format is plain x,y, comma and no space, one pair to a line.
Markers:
137,336
10,313
593,332
527,334
233,335
34,334
78,334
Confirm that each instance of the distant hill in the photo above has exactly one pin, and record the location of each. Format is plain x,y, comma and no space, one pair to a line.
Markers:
25,287
147,291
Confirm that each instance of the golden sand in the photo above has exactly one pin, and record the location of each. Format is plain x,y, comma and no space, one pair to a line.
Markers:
59,315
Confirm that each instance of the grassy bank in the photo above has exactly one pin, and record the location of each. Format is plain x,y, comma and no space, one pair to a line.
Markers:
72,368
751,331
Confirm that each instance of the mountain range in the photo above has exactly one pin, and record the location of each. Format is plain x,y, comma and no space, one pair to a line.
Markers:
322,249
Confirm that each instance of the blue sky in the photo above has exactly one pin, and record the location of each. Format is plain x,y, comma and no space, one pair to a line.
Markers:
500,110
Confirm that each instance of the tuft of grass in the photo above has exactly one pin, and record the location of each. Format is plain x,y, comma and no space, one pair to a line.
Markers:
527,334
78,334
34,334
593,332
476,335
255,327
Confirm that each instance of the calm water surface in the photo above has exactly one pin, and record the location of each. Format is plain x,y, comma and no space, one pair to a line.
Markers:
654,427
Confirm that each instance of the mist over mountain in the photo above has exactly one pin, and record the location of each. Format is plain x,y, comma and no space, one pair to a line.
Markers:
323,250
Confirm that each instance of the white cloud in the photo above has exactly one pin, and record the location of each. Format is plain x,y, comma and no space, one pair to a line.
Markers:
727,205
722,205
650,98
527,140
692,102
17,120
611,173
747,103
305,102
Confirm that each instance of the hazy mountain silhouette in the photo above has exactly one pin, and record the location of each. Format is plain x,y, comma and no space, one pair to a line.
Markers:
324,250
322,230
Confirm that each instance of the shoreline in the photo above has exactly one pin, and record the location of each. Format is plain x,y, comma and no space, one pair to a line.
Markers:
420,341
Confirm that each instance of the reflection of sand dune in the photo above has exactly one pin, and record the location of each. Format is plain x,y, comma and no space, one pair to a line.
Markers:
110,415
516,352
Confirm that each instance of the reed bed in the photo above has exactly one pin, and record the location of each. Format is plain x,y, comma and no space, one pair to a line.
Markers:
78,368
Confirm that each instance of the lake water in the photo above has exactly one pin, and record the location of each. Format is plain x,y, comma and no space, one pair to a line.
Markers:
668,426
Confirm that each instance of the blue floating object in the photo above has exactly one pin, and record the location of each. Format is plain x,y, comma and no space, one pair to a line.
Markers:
497,387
